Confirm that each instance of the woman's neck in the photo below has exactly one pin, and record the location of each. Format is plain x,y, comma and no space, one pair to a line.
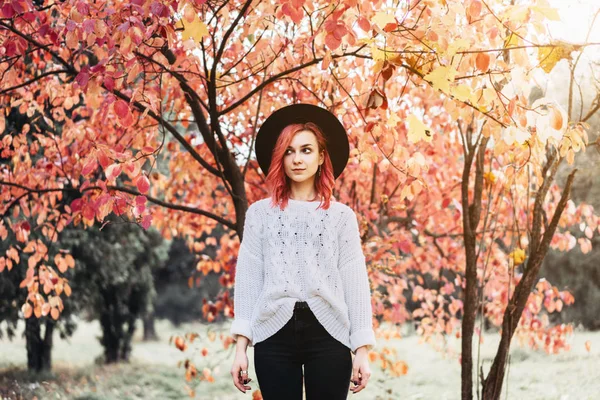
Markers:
305,193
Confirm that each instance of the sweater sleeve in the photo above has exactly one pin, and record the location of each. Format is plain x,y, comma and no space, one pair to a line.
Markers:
357,292
248,275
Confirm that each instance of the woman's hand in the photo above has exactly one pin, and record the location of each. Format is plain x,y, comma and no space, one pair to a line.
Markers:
240,363
360,370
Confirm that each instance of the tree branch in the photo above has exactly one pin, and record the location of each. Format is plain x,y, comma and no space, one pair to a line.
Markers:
154,200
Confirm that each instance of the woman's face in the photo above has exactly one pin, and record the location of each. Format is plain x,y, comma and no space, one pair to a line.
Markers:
302,159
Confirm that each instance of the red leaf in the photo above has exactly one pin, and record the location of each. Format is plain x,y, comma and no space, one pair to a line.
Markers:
76,205
7,11
123,113
390,27
142,184
340,31
330,25
332,42
104,160
140,200
121,108
82,78
387,72
364,24
297,15
89,168
146,221
109,83
119,206
88,212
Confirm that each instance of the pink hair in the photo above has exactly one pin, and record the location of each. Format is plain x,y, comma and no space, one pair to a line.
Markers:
277,181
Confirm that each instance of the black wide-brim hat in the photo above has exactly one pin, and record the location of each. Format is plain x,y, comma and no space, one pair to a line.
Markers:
333,130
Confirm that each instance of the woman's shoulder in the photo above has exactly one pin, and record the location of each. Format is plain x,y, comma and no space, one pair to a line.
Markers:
258,207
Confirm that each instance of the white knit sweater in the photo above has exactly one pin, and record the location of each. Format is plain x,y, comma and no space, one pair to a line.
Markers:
302,254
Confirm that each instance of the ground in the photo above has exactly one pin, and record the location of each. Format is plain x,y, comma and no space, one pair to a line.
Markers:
153,372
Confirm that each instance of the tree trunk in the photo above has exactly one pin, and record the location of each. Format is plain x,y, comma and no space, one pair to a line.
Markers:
149,328
492,385
112,326
39,349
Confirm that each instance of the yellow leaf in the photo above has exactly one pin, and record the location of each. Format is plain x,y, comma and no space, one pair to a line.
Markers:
417,130
381,19
518,256
512,41
441,78
196,29
457,45
549,56
548,12
462,93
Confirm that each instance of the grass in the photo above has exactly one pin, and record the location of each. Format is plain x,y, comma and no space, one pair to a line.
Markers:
153,372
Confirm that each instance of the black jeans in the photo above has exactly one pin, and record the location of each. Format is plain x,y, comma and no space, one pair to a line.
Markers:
303,341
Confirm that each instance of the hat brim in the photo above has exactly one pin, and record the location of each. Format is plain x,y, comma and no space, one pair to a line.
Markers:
335,134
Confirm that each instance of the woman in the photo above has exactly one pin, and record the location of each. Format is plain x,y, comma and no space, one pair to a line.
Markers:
302,296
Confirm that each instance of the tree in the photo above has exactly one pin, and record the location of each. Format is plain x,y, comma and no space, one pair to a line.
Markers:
115,279
399,77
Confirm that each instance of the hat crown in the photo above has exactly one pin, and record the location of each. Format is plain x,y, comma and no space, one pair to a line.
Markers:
336,137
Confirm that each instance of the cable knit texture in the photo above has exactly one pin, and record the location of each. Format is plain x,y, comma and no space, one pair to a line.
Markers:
302,254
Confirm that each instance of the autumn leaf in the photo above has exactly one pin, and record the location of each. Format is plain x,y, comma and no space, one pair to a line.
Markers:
377,99
364,24
462,93
588,346
27,310
518,256
125,117
417,130
193,27
385,21
142,184
332,42
549,56
441,78
482,61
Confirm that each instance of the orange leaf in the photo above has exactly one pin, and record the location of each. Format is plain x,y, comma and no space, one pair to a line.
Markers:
55,313
556,118
482,62
588,345
27,310
70,261
474,9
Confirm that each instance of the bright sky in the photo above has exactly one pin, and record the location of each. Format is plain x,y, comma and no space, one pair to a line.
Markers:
576,17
